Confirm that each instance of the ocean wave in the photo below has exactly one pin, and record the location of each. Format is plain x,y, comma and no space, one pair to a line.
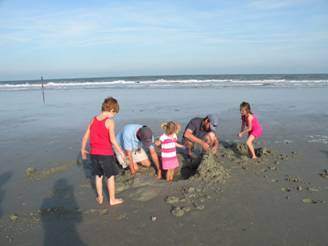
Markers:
166,83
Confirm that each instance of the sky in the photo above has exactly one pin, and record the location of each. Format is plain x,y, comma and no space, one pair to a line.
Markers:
97,38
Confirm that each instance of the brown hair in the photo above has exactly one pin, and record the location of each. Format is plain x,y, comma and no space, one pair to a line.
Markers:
110,104
170,127
246,106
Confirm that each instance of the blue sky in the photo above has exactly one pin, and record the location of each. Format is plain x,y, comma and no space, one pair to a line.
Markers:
80,38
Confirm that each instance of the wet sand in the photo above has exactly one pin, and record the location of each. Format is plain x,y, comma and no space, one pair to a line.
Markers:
281,199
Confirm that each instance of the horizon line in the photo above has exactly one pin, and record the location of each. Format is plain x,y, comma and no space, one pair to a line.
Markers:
161,75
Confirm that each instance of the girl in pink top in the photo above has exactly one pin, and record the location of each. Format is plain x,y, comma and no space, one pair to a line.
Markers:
250,125
168,142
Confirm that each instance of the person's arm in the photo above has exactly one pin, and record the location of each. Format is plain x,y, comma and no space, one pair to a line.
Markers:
242,127
85,139
215,147
111,127
128,147
180,145
188,134
130,162
155,159
249,125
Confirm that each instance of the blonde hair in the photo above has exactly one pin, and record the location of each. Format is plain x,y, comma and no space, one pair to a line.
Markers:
170,127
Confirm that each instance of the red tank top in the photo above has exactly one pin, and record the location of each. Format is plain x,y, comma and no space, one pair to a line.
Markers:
100,143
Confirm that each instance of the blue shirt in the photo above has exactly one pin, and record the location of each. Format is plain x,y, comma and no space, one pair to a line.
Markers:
127,137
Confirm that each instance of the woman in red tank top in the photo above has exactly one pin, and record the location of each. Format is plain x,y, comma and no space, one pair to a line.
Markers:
101,132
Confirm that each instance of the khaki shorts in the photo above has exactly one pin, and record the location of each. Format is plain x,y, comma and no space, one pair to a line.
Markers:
137,156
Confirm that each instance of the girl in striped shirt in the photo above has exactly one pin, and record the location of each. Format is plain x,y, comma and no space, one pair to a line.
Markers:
168,142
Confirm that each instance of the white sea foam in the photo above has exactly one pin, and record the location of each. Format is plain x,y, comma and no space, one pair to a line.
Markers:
62,84
321,139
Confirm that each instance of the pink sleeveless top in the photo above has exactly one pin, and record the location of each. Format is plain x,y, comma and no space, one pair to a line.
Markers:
256,128
100,143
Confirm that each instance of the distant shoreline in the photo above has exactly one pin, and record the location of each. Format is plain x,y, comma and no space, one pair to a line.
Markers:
175,81
163,75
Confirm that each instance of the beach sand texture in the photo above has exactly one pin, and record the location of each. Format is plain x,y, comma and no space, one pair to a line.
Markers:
47,193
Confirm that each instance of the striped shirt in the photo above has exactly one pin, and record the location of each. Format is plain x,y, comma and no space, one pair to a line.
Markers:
168,146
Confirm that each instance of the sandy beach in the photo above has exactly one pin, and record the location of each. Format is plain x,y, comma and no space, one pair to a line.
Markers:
47,196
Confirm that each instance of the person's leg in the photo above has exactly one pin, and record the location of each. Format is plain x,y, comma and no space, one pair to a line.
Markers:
99,189
212,141
250,146
172,175
98,172
145,163
111,189
168,175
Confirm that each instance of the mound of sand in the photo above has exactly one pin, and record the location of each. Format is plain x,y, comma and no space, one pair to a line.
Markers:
210,171
210,175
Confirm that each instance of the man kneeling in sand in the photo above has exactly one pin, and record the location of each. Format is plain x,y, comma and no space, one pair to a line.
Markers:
201,131
133,138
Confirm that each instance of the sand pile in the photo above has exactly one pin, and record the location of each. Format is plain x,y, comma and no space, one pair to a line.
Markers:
210,171
239,148
209,176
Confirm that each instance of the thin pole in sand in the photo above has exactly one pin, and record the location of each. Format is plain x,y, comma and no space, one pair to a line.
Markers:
42,89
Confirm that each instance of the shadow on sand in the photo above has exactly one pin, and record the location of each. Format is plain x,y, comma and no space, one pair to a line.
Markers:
87,169
60,216
4,178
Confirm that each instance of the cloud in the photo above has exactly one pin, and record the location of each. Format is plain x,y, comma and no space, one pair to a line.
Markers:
274,4
119,24
152,25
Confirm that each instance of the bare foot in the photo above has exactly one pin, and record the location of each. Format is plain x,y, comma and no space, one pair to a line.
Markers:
116,201
254,158
100,199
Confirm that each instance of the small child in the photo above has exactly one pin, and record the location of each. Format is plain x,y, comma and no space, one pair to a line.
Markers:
101,132
250,125
168,142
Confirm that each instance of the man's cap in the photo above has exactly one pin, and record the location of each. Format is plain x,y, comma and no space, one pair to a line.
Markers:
145,135
214,121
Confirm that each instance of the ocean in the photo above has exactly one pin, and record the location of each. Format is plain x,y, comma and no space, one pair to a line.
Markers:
185,81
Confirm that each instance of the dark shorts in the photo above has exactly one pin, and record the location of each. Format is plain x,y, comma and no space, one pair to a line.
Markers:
104,165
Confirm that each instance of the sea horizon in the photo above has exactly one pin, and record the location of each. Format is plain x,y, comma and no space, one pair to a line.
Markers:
192,80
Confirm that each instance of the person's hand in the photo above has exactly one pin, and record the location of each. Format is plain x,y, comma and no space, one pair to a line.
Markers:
84,154
205,146
240,134
215,149
123,156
